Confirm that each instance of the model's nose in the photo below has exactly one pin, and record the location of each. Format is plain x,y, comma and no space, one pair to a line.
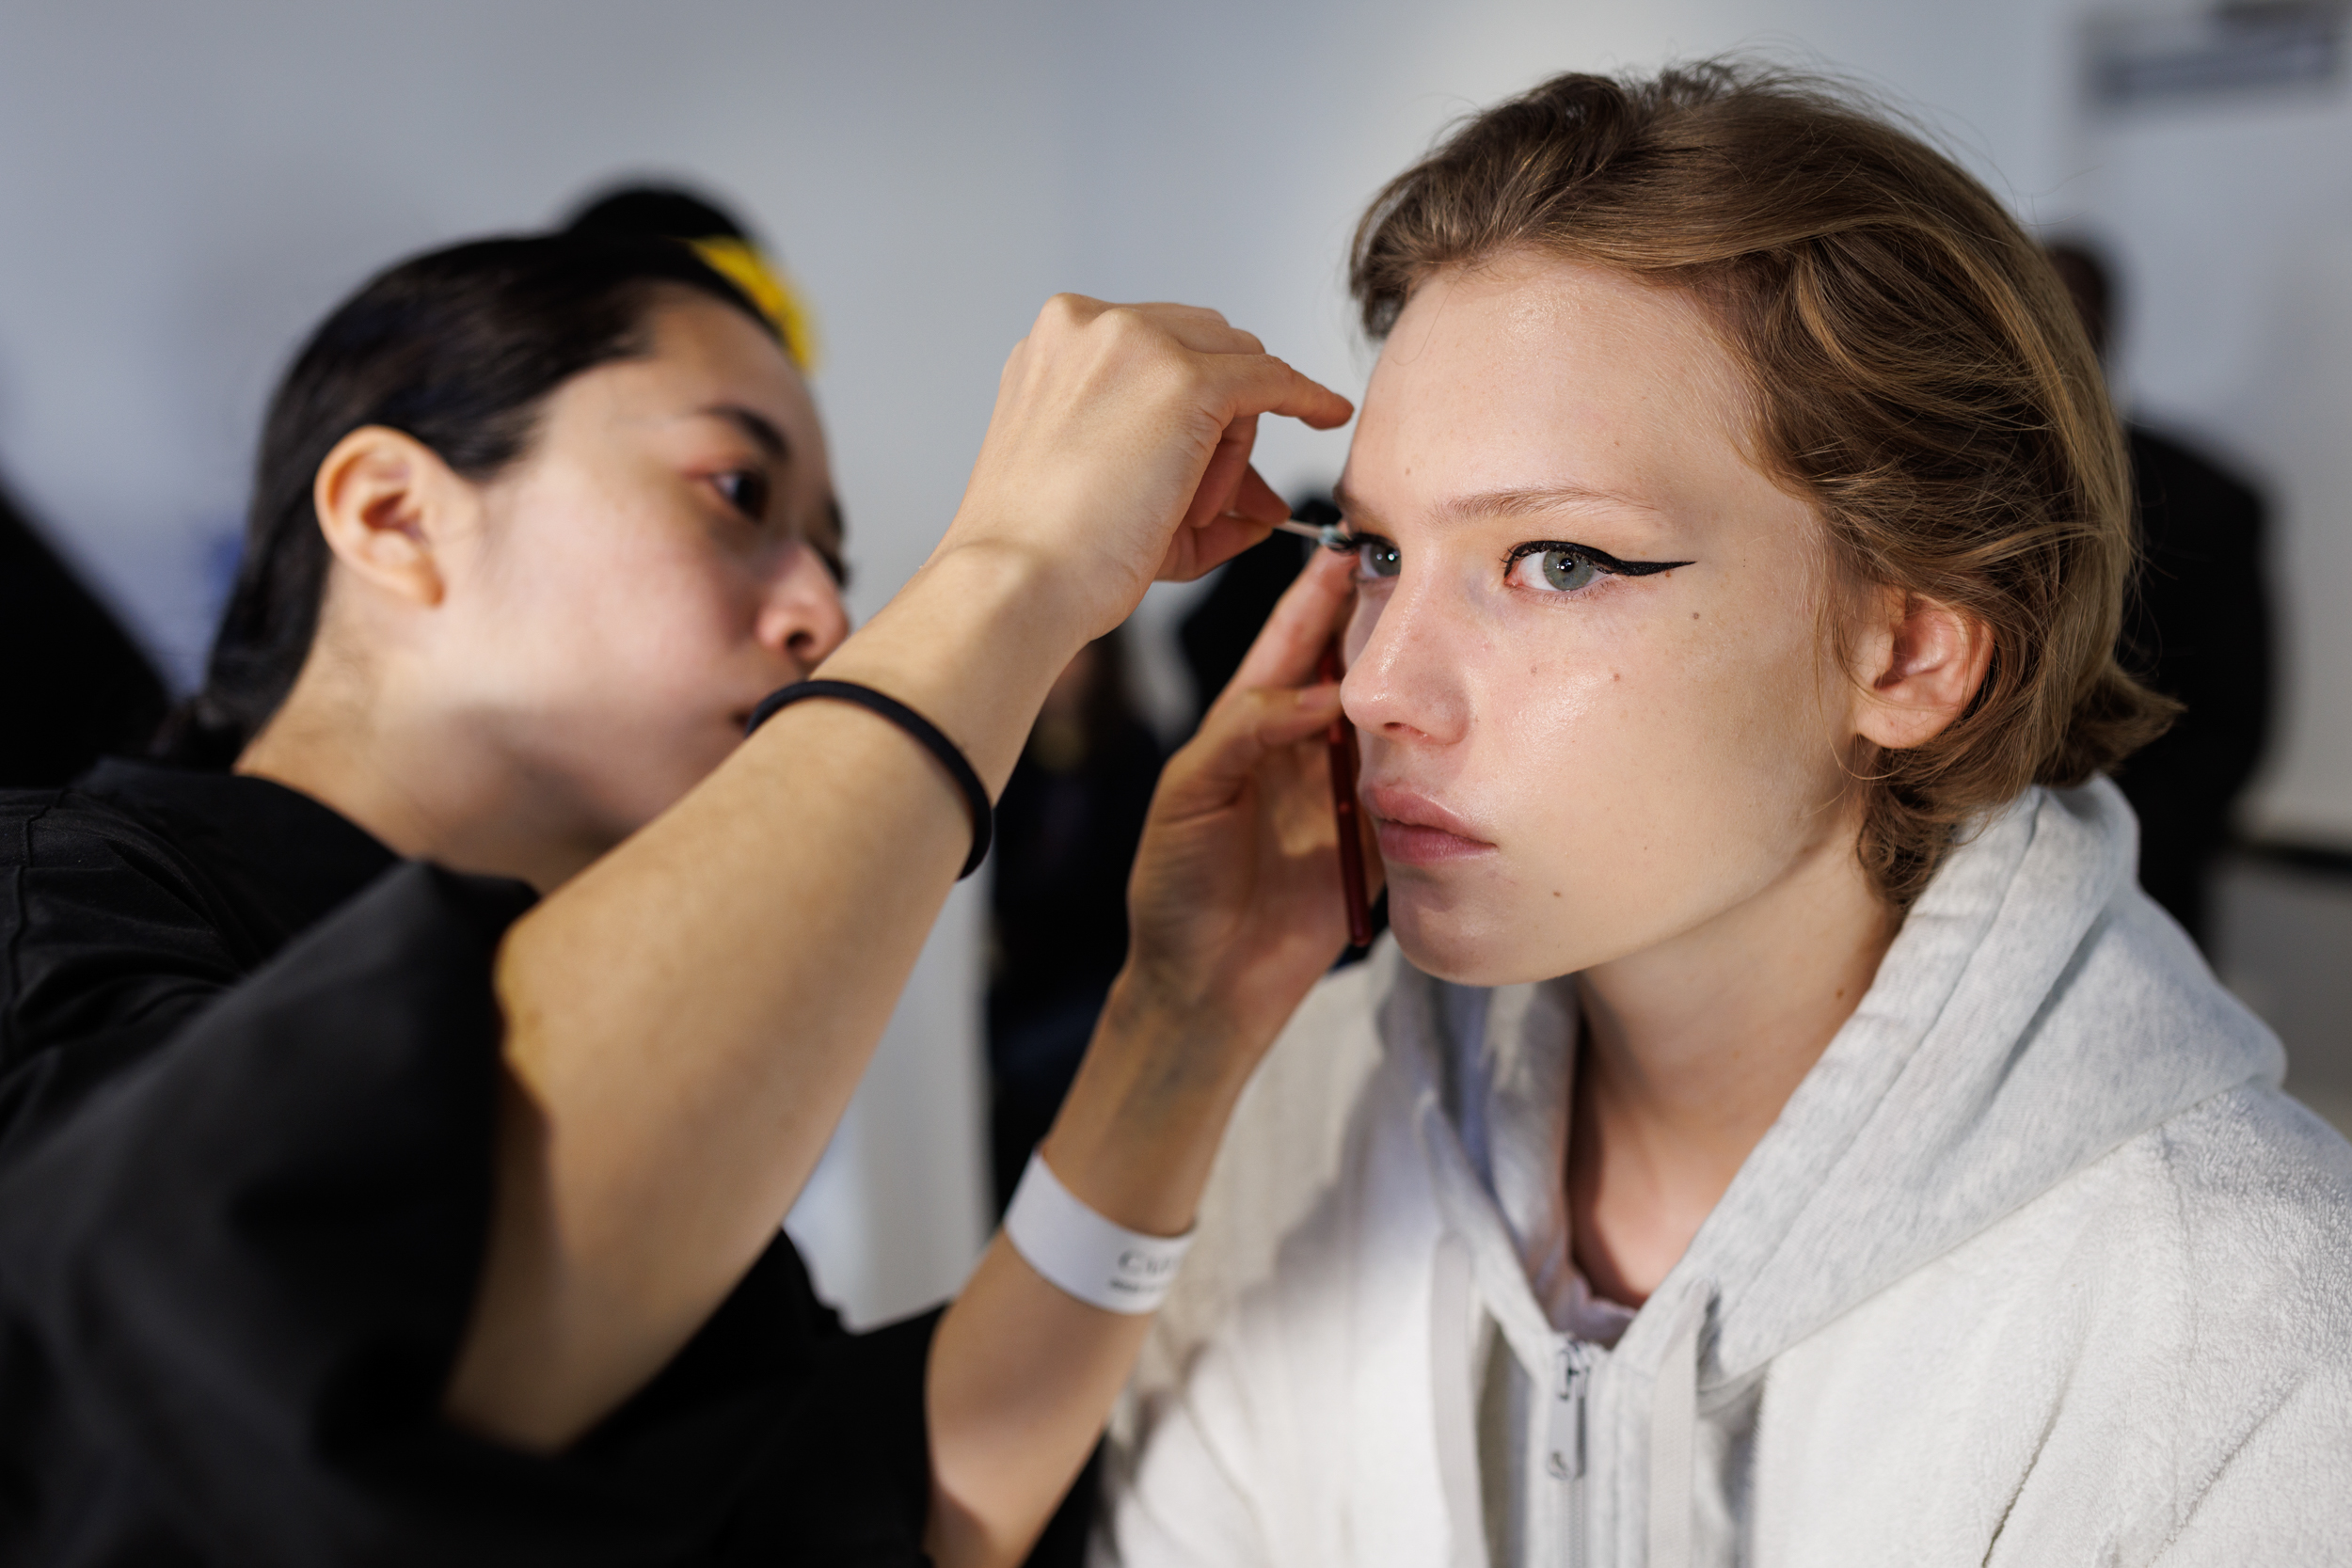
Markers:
1401,681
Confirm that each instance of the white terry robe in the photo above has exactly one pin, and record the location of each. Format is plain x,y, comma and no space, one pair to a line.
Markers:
2037,1266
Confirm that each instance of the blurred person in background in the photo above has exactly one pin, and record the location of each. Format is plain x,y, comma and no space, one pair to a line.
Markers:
2196,628
79,687
1066,834
403,1081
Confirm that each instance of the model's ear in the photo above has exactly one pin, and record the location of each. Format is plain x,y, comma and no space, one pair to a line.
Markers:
1919,663
389,507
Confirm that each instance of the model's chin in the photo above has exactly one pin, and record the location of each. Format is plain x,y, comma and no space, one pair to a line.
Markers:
1462,939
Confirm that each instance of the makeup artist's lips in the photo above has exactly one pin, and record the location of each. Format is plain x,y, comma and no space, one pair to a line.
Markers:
1416,831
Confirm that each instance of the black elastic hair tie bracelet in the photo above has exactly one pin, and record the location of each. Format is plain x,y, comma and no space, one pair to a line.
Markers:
922,729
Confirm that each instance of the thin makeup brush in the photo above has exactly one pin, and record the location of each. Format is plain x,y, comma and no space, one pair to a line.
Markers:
1330,535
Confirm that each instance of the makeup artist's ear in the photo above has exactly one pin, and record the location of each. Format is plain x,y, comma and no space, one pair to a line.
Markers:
388,506
1919,663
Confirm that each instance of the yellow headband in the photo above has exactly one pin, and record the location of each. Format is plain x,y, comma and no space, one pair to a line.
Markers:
742,265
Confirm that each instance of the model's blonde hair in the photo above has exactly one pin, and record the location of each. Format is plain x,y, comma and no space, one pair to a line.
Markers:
1916,371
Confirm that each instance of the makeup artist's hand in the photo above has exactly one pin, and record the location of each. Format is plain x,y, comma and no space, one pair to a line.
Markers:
1119,450
1234,911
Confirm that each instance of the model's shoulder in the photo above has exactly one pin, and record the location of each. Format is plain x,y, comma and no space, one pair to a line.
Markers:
2254,1155
2240,1204
2218,1294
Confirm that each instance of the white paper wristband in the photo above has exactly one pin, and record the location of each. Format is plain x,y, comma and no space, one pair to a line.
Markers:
1080,1252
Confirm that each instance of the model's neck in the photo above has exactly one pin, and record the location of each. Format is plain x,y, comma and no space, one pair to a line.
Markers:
1690,1049
422,781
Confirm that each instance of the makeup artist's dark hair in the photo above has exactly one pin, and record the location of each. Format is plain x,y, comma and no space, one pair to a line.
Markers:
671,212
459,348
1916,369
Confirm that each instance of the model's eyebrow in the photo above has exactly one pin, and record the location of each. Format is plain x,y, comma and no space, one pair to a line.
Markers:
1525,501
1361,518
758,426
1534,499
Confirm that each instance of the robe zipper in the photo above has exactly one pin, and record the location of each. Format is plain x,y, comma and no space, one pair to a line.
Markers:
1565,1451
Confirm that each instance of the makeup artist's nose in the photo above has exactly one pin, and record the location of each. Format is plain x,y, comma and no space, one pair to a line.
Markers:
803,617
1401,684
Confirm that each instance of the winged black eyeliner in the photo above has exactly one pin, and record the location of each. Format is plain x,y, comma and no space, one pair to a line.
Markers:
1602,559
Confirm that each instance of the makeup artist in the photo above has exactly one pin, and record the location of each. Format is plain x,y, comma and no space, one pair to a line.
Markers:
397,1105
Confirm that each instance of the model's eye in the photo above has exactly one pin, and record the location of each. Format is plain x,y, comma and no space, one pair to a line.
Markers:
1553,569
1376,557
746,490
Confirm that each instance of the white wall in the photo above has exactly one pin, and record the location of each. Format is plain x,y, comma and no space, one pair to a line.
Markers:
183,188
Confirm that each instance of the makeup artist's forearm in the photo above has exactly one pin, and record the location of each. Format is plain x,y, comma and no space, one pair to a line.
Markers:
1137,1131
677,1079
1023,1375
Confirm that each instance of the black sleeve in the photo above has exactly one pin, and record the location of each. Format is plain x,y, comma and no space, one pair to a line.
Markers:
252,1258
110,949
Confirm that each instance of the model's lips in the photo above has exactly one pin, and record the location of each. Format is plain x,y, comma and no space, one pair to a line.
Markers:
1416,831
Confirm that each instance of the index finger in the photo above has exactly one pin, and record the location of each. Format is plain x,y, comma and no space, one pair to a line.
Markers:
1261,383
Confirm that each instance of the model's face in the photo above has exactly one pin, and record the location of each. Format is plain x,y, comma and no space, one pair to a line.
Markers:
662,556
1569,765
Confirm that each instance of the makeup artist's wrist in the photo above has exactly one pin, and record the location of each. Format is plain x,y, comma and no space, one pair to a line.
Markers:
1141,1125
973,642
1074,577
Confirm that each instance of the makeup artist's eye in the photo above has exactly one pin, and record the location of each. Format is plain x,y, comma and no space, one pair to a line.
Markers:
1555,569
1376,557
746,490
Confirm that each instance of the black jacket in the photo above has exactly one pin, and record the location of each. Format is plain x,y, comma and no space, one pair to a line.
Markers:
248,1067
